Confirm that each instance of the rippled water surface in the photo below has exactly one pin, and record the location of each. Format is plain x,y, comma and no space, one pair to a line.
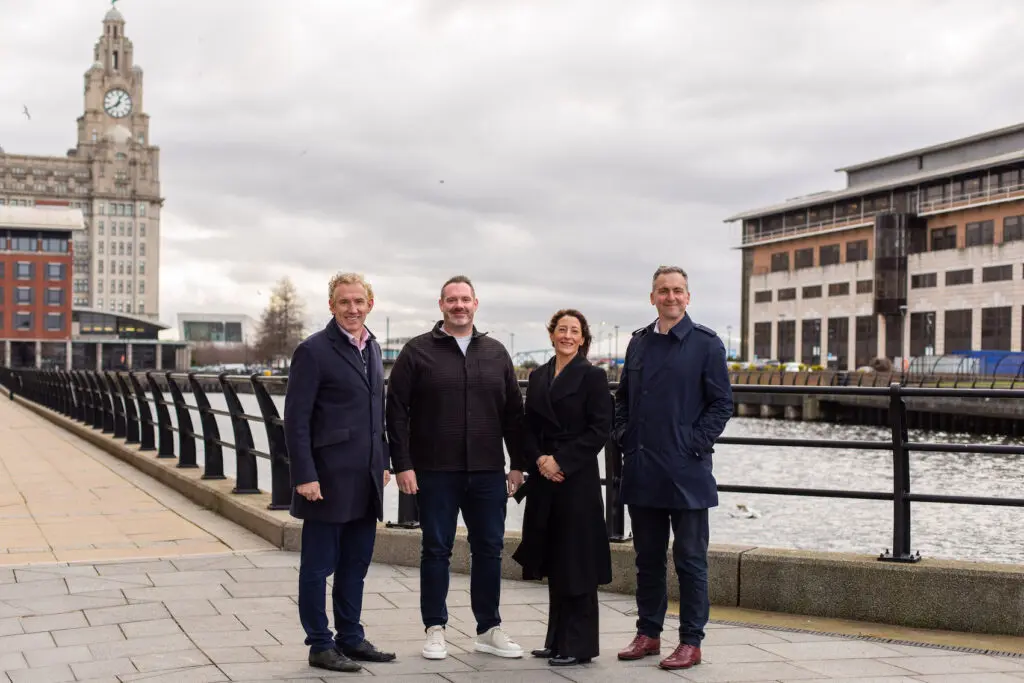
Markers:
939,530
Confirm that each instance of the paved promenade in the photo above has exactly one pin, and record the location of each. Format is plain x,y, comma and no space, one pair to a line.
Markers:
111,577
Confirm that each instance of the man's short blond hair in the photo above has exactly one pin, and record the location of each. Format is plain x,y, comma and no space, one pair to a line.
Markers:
348,279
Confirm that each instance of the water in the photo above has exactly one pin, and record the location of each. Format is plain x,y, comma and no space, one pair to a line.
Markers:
940,531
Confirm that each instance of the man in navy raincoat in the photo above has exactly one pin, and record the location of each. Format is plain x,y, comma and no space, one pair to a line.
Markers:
673,401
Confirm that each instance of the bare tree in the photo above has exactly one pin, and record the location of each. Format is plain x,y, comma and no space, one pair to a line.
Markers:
282,325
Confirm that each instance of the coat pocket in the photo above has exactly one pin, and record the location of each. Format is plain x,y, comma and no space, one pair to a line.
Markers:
332,437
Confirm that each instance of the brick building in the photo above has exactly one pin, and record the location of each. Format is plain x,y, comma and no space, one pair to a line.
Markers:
36,256
919,255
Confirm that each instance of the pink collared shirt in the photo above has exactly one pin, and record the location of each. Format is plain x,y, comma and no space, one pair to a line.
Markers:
359,343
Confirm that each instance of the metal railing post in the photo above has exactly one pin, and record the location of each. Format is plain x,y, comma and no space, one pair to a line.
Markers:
108,407
186,433
95,401
165,449
120,427
280,476
146,440
246,475
901,521
614,511
213,454
131,412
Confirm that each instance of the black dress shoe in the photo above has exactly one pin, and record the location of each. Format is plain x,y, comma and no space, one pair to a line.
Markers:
546,653
366,652
332,660
568,661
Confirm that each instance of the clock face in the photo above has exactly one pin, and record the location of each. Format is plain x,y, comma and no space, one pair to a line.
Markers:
117,103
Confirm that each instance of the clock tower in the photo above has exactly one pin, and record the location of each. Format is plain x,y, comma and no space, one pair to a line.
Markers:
113,140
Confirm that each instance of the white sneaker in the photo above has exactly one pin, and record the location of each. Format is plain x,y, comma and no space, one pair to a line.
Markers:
435,647
497,642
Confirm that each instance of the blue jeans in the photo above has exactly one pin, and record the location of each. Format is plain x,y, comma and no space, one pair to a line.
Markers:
690,556
344,550
481,497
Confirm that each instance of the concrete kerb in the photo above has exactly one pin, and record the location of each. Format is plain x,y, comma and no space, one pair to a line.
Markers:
932,594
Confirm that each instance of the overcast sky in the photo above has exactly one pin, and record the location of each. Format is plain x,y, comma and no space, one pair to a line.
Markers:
580,143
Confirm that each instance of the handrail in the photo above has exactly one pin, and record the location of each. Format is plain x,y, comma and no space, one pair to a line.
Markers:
120,404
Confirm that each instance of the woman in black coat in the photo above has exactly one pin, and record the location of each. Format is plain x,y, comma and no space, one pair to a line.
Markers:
568,419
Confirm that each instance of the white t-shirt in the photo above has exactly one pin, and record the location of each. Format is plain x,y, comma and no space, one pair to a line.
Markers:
463,342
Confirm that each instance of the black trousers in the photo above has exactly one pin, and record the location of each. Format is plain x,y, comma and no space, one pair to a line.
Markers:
690,556
573,628
344,550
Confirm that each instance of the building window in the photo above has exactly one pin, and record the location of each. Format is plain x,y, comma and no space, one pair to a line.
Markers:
811,292
997,273
857,251
55,245
922,334
54,297
142,268
866,340
142,287
959,277
803,258
24,271
865,286
980,233
1013,229
3,267
22,321
780,261
828,255
839,341
924,281
810,343
762,340
142,249
24,296
129,248
839,289
99,267
787,341
142,210
54,322
99,302
958,331
142,307
995,328
56,271
762,297
99,248
24,244
142,229
787,294
944,238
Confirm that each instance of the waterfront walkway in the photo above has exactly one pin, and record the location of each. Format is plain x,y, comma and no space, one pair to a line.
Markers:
110,576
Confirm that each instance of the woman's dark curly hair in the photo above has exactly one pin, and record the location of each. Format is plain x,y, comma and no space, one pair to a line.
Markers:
584,349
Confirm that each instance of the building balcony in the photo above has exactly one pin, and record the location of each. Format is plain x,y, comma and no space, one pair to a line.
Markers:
915,204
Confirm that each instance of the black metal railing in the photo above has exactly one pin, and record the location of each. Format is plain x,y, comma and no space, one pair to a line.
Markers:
126,407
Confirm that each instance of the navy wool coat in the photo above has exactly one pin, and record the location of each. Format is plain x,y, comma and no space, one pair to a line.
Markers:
334,427
673,401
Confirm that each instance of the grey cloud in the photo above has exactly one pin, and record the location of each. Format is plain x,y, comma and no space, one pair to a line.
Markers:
580,143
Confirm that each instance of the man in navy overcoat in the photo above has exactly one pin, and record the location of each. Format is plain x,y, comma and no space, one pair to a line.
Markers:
673,401
334,428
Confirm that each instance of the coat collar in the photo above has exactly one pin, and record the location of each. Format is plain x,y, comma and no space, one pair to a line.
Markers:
438,332
568,381
344,347
546,389
679,330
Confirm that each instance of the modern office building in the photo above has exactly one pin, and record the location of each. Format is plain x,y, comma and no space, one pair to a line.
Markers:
112,175
921,254
220,329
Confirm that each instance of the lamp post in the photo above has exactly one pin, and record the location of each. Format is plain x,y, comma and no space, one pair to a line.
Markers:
904,365
728,343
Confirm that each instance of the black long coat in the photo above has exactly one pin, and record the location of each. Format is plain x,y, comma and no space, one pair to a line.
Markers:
564,534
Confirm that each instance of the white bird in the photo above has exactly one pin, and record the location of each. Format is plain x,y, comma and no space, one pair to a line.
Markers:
745,512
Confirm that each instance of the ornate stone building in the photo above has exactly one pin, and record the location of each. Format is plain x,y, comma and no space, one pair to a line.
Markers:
113,176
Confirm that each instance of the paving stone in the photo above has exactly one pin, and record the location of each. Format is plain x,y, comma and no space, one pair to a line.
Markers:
956,665
139,567
11,626
252,575
58,655
53,622
274,559
191,579
854,668
157,627
202,674
88,635
235,639
190,608
233,655
202,591
12,660
90,584
211,562
69,603
104,669
210,624
48,674
250,605
141,646
43,588
24,642
162,661
749,672
834,649
126,614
